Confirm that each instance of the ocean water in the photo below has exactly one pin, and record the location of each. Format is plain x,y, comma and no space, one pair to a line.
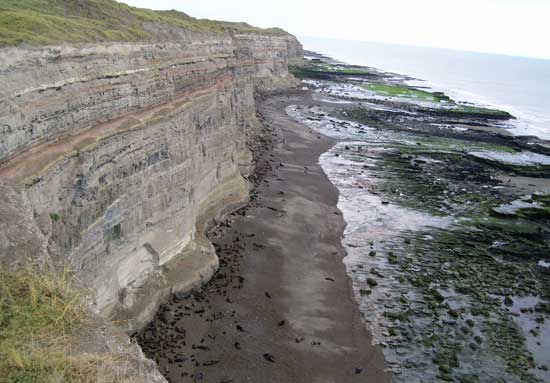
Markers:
516,84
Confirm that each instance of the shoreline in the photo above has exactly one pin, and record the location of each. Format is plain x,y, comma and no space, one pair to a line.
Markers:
444,247
281,307
531,121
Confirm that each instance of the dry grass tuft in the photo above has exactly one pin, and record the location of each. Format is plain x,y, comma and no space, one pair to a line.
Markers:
40,316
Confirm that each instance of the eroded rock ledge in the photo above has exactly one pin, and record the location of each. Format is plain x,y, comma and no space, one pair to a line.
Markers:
114,157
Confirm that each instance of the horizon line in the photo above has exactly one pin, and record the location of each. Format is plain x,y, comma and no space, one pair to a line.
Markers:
429,46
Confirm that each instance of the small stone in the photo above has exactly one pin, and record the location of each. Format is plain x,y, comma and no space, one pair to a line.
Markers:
365,291
372,282
444,368
453,313
372,253
508,301
269,357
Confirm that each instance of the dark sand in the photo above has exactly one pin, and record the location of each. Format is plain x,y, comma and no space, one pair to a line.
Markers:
281,260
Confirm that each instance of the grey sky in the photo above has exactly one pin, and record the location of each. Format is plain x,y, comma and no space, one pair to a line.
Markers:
516,27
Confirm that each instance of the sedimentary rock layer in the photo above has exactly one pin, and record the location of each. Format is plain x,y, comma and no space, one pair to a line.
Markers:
115,157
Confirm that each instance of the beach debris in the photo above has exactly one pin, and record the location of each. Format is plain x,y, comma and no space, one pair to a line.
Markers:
269,357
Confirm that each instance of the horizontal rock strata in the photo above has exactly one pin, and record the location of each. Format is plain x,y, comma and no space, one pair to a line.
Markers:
115,157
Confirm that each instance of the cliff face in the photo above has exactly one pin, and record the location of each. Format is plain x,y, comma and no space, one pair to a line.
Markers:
116,156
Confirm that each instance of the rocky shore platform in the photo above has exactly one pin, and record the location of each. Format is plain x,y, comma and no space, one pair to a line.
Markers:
448,229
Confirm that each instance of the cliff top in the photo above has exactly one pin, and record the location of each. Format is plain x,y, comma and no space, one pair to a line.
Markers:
39,22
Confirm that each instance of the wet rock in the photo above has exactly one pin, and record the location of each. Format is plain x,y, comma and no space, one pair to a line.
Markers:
365,291
372,282
542,308
437,295
508,301
453,313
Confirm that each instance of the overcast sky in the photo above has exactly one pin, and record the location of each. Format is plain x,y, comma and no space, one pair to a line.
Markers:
515,27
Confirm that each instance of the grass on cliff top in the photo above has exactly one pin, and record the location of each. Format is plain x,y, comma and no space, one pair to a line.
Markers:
38,317
39,22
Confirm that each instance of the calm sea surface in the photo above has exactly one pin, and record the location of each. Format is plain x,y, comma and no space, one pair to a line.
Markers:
516,84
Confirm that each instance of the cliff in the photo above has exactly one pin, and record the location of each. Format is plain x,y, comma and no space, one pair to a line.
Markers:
116,155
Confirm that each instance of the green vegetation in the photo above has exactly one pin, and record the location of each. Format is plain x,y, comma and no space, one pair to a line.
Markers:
506,226
324,71
422,95
339,69
56,21
405,92
457,145
468,110
38,317
539,211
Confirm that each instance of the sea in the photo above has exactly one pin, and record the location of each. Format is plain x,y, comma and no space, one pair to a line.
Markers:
518,85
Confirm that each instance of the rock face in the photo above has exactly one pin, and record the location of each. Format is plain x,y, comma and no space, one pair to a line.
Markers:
116,156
